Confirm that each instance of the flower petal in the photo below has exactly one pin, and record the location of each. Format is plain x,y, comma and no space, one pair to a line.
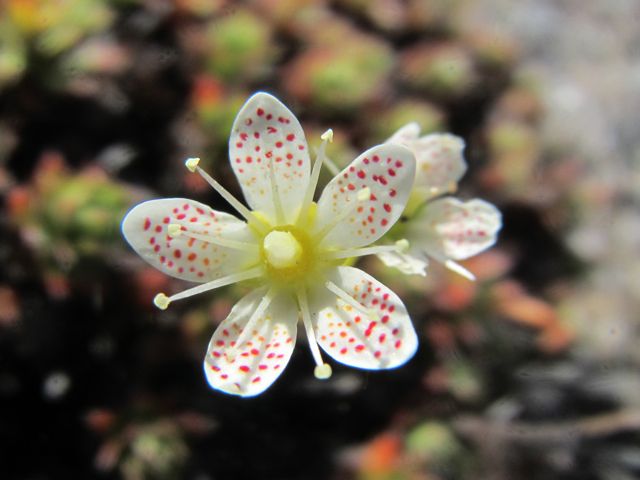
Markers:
406,134
251,367
270,157
449,228
388,171
145,227
439,161
384,338
411,263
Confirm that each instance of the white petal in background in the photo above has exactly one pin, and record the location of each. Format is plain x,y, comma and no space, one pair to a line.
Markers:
449,228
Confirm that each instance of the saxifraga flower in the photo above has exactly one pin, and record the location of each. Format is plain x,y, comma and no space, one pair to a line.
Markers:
440,227
292,247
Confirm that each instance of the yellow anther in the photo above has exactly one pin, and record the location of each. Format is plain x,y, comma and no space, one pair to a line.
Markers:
192,164
322,372
161,301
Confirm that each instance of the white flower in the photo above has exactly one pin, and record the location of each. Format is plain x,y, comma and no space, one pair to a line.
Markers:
445,229
292,246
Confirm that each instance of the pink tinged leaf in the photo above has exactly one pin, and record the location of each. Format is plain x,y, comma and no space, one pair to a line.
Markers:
267,145
449,228
251,367
387,171
382,338
145,227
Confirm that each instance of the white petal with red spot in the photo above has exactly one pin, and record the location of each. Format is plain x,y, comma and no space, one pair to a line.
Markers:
439,160
145,228
251,367
265,136
387,171
413,262
379,340
450,228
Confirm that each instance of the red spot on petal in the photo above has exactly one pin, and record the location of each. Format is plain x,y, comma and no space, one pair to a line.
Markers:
361,174
255,351
177,253
359,348
278,144
260,112
147,224
343,351
290,137
387,207
243,368
191,257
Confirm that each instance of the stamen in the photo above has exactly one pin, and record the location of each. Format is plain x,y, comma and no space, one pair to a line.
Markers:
250,326
175,230
192,166
315,174
349,300
162,301
275,195
322,371
362,196
401,246
460,270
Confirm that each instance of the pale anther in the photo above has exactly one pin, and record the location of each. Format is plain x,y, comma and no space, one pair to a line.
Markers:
403,245
322,372
173,229
161,301
327,136
364,194
192,164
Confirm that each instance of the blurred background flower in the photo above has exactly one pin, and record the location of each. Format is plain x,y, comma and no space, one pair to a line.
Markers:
530,372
